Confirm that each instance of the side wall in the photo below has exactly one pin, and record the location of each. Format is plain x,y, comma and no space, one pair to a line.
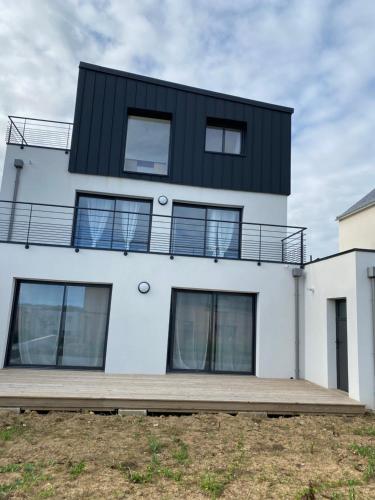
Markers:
358,230
139,324
343,276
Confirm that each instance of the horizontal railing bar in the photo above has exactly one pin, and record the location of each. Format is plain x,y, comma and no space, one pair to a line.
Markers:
38,119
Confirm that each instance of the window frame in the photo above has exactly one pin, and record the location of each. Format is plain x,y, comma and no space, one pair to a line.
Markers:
65,284
212,330
114,198
158,115
206,208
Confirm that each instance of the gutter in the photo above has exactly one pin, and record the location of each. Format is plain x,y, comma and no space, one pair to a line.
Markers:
371,276
297,273
18,164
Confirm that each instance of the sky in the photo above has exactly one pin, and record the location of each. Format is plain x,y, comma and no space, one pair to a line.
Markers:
316,56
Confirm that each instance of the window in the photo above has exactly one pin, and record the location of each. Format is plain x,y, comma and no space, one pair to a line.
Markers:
113,223
147,145
206,231
59,324
212,332
223,140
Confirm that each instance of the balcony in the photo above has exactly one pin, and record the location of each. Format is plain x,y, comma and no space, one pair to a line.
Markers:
38,133
97,229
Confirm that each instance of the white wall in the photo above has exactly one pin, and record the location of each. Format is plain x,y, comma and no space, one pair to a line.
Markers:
138,327
358,230
45,179
343,276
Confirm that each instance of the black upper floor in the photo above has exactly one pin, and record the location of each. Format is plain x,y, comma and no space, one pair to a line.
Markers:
127,125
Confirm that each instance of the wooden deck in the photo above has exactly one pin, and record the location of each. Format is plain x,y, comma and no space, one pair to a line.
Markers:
60,389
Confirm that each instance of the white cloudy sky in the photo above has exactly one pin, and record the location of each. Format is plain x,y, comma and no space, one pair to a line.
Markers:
314,55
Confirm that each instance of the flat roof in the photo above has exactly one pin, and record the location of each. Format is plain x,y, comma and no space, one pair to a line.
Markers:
185,88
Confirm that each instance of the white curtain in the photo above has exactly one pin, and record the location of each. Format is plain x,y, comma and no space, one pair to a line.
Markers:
98,218
191,331
129,217
220,230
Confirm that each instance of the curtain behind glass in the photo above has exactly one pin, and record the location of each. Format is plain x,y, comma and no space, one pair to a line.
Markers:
234,333
94,222
34,341
126,221
221,227
85,326
191,331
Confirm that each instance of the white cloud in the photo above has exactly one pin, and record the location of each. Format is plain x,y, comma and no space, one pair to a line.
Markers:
316,56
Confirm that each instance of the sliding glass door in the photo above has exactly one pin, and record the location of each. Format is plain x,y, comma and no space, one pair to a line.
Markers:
212,332
59,325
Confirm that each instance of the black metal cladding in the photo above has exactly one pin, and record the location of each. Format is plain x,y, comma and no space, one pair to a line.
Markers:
106,96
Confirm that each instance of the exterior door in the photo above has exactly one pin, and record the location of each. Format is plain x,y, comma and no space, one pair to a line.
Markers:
341,345
212,332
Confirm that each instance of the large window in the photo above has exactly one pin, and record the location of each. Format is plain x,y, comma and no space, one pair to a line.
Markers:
205,231
117,223
59,325
147,145
212,332
223,140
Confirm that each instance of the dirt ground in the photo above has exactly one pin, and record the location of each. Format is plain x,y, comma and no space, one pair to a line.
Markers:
74,455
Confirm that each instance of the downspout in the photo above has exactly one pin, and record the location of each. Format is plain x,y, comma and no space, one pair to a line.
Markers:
371,275
297,272
19,166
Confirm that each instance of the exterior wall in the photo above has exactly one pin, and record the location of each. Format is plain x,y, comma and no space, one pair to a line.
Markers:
139,324
45,179
358,230
343,276
105,97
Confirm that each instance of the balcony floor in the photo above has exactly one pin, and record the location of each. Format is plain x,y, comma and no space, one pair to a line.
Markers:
68,390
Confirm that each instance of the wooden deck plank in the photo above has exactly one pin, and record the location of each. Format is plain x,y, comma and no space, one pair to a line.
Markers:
28,388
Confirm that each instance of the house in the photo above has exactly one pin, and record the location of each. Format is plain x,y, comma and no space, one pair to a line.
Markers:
357,224
151,237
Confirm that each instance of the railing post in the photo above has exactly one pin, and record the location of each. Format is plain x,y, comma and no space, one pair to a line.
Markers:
282,250
260,245
301,250
113,225
28,229
67,141
10,130
23,132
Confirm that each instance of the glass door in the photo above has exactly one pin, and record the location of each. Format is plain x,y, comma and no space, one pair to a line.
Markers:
212,332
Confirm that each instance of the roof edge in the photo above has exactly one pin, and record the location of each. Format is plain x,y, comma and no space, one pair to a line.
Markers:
338,254
185,88
347,214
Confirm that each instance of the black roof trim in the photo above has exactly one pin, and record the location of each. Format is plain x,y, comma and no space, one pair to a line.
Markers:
338,254
186,88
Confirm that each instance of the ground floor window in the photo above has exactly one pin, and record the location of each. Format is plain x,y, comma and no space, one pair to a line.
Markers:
212,332
59,325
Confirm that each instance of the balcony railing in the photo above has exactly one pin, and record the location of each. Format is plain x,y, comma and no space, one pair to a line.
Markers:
39,133
77,227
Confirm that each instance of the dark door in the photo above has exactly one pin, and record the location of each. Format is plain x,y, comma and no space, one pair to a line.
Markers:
212,332
341,345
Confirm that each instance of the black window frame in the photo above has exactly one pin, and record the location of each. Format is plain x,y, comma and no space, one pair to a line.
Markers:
13,320
206,208
224,126
212,327
158,115
86,194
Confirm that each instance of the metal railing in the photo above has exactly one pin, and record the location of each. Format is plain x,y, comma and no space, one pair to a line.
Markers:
50,134
81,227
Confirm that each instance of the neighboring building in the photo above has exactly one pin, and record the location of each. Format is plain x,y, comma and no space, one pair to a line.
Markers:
151,236
357,224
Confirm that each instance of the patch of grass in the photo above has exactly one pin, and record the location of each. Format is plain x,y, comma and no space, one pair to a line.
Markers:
10,468
77,468
139,477
315,488
47,492
10,432
365,431
182,452
369,453
212,484
169,473
155,445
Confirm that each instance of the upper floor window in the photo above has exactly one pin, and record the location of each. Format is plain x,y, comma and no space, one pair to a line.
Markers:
147,145
224,136
117,223
206,231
